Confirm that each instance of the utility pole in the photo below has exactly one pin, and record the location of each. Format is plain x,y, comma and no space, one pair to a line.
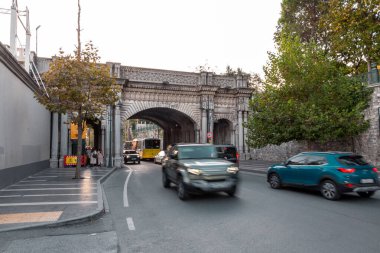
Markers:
38,27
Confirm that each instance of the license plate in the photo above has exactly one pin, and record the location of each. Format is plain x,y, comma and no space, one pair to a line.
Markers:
217,185
367,181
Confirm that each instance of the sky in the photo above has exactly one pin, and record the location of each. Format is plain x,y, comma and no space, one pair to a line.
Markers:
163,34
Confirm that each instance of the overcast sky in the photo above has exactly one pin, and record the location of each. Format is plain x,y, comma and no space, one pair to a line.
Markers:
165,34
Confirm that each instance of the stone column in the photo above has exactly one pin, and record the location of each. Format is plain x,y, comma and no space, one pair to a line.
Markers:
54,142
240,127
64,139
117,143
204,127
232,133
211,124
196,135
103,138
245,132
108,137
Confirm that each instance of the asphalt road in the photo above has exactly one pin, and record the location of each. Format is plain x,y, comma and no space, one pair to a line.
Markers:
145,217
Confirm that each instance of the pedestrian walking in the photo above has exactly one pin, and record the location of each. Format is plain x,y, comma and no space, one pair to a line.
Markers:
88,156
100,158
94,156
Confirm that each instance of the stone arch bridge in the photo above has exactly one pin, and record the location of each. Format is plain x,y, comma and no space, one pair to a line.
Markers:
189,107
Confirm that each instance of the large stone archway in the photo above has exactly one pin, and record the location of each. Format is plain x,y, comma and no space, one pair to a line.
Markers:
177,126
186,105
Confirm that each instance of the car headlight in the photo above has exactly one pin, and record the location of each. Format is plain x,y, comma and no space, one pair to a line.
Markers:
232,170
194,171
128,156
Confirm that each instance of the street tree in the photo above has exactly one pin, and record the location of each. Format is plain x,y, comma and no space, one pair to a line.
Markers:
353,29
306,97
77,85
301,18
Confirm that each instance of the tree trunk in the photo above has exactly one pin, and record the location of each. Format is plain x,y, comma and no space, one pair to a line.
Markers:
78,32
79,147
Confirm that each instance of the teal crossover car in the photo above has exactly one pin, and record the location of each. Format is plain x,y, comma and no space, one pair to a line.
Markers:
332,173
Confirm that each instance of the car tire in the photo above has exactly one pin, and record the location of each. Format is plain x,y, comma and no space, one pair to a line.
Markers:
138,162
232,191
274,181
181,191
329,190
366,194
165,180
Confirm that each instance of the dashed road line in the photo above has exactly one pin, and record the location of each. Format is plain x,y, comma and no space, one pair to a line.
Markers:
131,225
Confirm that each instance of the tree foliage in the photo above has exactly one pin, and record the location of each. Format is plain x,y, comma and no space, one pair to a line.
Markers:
306,97
83,87
80,87
353,31
301,18
77,85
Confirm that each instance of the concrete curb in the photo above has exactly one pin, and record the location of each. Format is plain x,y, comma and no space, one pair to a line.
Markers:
102,208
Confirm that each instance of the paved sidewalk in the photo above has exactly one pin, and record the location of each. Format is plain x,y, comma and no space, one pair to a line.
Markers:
52,197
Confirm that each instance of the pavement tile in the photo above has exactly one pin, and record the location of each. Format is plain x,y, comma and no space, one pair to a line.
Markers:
51,195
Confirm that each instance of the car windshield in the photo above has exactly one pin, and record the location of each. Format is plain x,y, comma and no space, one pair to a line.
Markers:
152,144
352,160
130,152
226,152
197,152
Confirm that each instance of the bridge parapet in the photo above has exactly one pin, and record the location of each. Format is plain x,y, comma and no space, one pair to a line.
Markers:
178,77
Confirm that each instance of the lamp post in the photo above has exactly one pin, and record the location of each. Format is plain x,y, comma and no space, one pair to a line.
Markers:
38,27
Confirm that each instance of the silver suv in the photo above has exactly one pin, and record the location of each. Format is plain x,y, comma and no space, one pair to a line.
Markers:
196,168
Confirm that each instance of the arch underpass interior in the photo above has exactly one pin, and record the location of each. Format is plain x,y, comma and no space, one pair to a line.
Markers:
177,126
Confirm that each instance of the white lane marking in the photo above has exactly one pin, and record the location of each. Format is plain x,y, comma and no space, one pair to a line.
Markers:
131,225
48,184
41,176
47,195
27,181
50,203
125,191
47,189
60,194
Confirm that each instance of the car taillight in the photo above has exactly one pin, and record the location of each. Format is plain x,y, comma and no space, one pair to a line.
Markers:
375,169
237,156
344,170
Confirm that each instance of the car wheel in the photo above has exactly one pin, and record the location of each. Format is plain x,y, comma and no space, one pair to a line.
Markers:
165,179
181,191
366,194
138,162
232,191
274,181
329,190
